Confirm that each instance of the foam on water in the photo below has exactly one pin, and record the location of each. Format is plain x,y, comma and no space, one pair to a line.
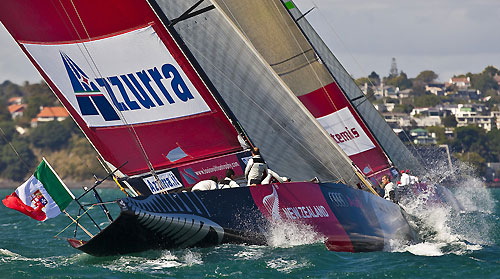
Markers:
162,264
285,265
426,249
283,233
5,252
441,228
250,253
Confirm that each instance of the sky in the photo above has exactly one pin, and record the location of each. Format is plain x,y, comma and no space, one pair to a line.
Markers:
450,37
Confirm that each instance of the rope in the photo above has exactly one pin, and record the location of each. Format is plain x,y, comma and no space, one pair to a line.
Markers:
91,63
344,45
4,136
346,49
74,221
332,102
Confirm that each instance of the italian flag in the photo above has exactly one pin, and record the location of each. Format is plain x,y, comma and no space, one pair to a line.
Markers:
43,196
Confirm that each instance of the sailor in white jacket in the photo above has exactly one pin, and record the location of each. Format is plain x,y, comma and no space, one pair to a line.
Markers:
270,175
413,179
256,168
205,185
405,178
389,189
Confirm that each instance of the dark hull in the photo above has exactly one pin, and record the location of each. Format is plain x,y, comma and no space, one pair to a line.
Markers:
349,219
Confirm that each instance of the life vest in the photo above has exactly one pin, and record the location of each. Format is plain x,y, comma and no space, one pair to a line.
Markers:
225,182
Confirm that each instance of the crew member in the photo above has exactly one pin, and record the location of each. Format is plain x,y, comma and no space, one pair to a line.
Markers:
256,169
389,189
405,178
228,181
413,179
271,175
204,185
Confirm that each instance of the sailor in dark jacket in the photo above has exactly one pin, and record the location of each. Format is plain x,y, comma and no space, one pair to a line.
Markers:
256,169
228,181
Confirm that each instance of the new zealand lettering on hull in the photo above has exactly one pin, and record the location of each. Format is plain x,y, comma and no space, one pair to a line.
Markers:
163,90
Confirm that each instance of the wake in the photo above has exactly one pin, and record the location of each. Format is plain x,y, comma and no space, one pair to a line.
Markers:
443,228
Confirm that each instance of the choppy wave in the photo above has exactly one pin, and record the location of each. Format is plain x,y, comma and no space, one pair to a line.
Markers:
286,265
153,262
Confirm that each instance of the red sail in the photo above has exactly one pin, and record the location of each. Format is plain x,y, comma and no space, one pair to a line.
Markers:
331,108
124,80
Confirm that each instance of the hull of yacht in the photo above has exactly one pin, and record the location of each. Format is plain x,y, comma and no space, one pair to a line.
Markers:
349,220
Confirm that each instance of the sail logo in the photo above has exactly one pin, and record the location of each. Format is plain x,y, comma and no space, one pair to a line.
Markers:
87,94
346,131
347,135
128,78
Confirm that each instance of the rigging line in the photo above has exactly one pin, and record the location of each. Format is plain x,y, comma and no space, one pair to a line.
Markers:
130,126
86,60
248,40
283,20
341,41
411,143
303,53
267,113
75,220
355,108
122,117
350,54
201,74
4,136
356,62
361,95
234,19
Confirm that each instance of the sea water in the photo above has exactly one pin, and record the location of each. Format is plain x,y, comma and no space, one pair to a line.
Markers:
463,244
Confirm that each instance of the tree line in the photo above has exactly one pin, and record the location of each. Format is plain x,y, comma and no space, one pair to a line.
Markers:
61,143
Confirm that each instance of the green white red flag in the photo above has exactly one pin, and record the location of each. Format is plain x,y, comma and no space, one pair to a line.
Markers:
42,196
